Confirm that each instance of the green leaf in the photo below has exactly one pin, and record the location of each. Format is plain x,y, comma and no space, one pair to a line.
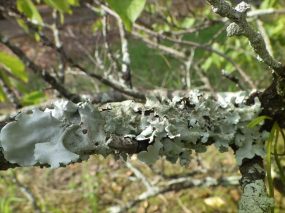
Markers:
97,25
2,95
187,22
14,65
5,79
73,2
274,131
207,63
268,3
33,98
128,10
28,8
62,6
23,25
277,158
258,120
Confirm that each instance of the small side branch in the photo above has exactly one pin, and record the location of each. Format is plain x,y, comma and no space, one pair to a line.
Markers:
240,26
177,184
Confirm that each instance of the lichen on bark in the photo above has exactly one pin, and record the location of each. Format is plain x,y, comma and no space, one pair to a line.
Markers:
255,198
172,128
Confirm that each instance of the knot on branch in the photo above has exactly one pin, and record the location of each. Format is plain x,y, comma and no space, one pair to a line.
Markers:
234,30
242,7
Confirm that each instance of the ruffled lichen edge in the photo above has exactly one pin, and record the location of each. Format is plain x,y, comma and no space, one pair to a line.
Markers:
173,128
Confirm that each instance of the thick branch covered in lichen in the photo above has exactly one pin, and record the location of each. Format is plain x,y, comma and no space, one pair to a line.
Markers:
173,128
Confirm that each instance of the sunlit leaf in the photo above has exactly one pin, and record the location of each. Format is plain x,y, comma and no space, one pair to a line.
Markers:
28,8
187,22
14,65
207,63
258,121
5,78
32,98
97,25
128,10
277,158
61,5
23,25
273,134
73,2
2,95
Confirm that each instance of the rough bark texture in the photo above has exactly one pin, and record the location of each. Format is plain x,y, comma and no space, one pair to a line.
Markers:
254,197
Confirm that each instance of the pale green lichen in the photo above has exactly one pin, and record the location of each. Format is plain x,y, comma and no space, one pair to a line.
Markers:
55,136
172,128
255,199
234,30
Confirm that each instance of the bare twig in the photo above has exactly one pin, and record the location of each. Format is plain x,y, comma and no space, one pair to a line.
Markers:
110,55
232,78
205,80
265,12
27,192
51,80
140,176
112,83
177,185
125,67
126,61
188,66
59,46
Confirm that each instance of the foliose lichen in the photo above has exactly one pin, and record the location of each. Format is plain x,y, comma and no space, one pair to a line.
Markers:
172,128
55,137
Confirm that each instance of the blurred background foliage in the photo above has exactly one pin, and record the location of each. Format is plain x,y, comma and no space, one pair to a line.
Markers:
95,185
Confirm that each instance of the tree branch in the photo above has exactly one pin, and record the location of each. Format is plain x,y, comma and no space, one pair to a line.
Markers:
240,26
170,128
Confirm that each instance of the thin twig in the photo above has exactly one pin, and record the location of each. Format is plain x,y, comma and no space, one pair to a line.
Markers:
177,185
126,61
125,66
234,79
27,192
140,176
265,12
110,55
208,48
